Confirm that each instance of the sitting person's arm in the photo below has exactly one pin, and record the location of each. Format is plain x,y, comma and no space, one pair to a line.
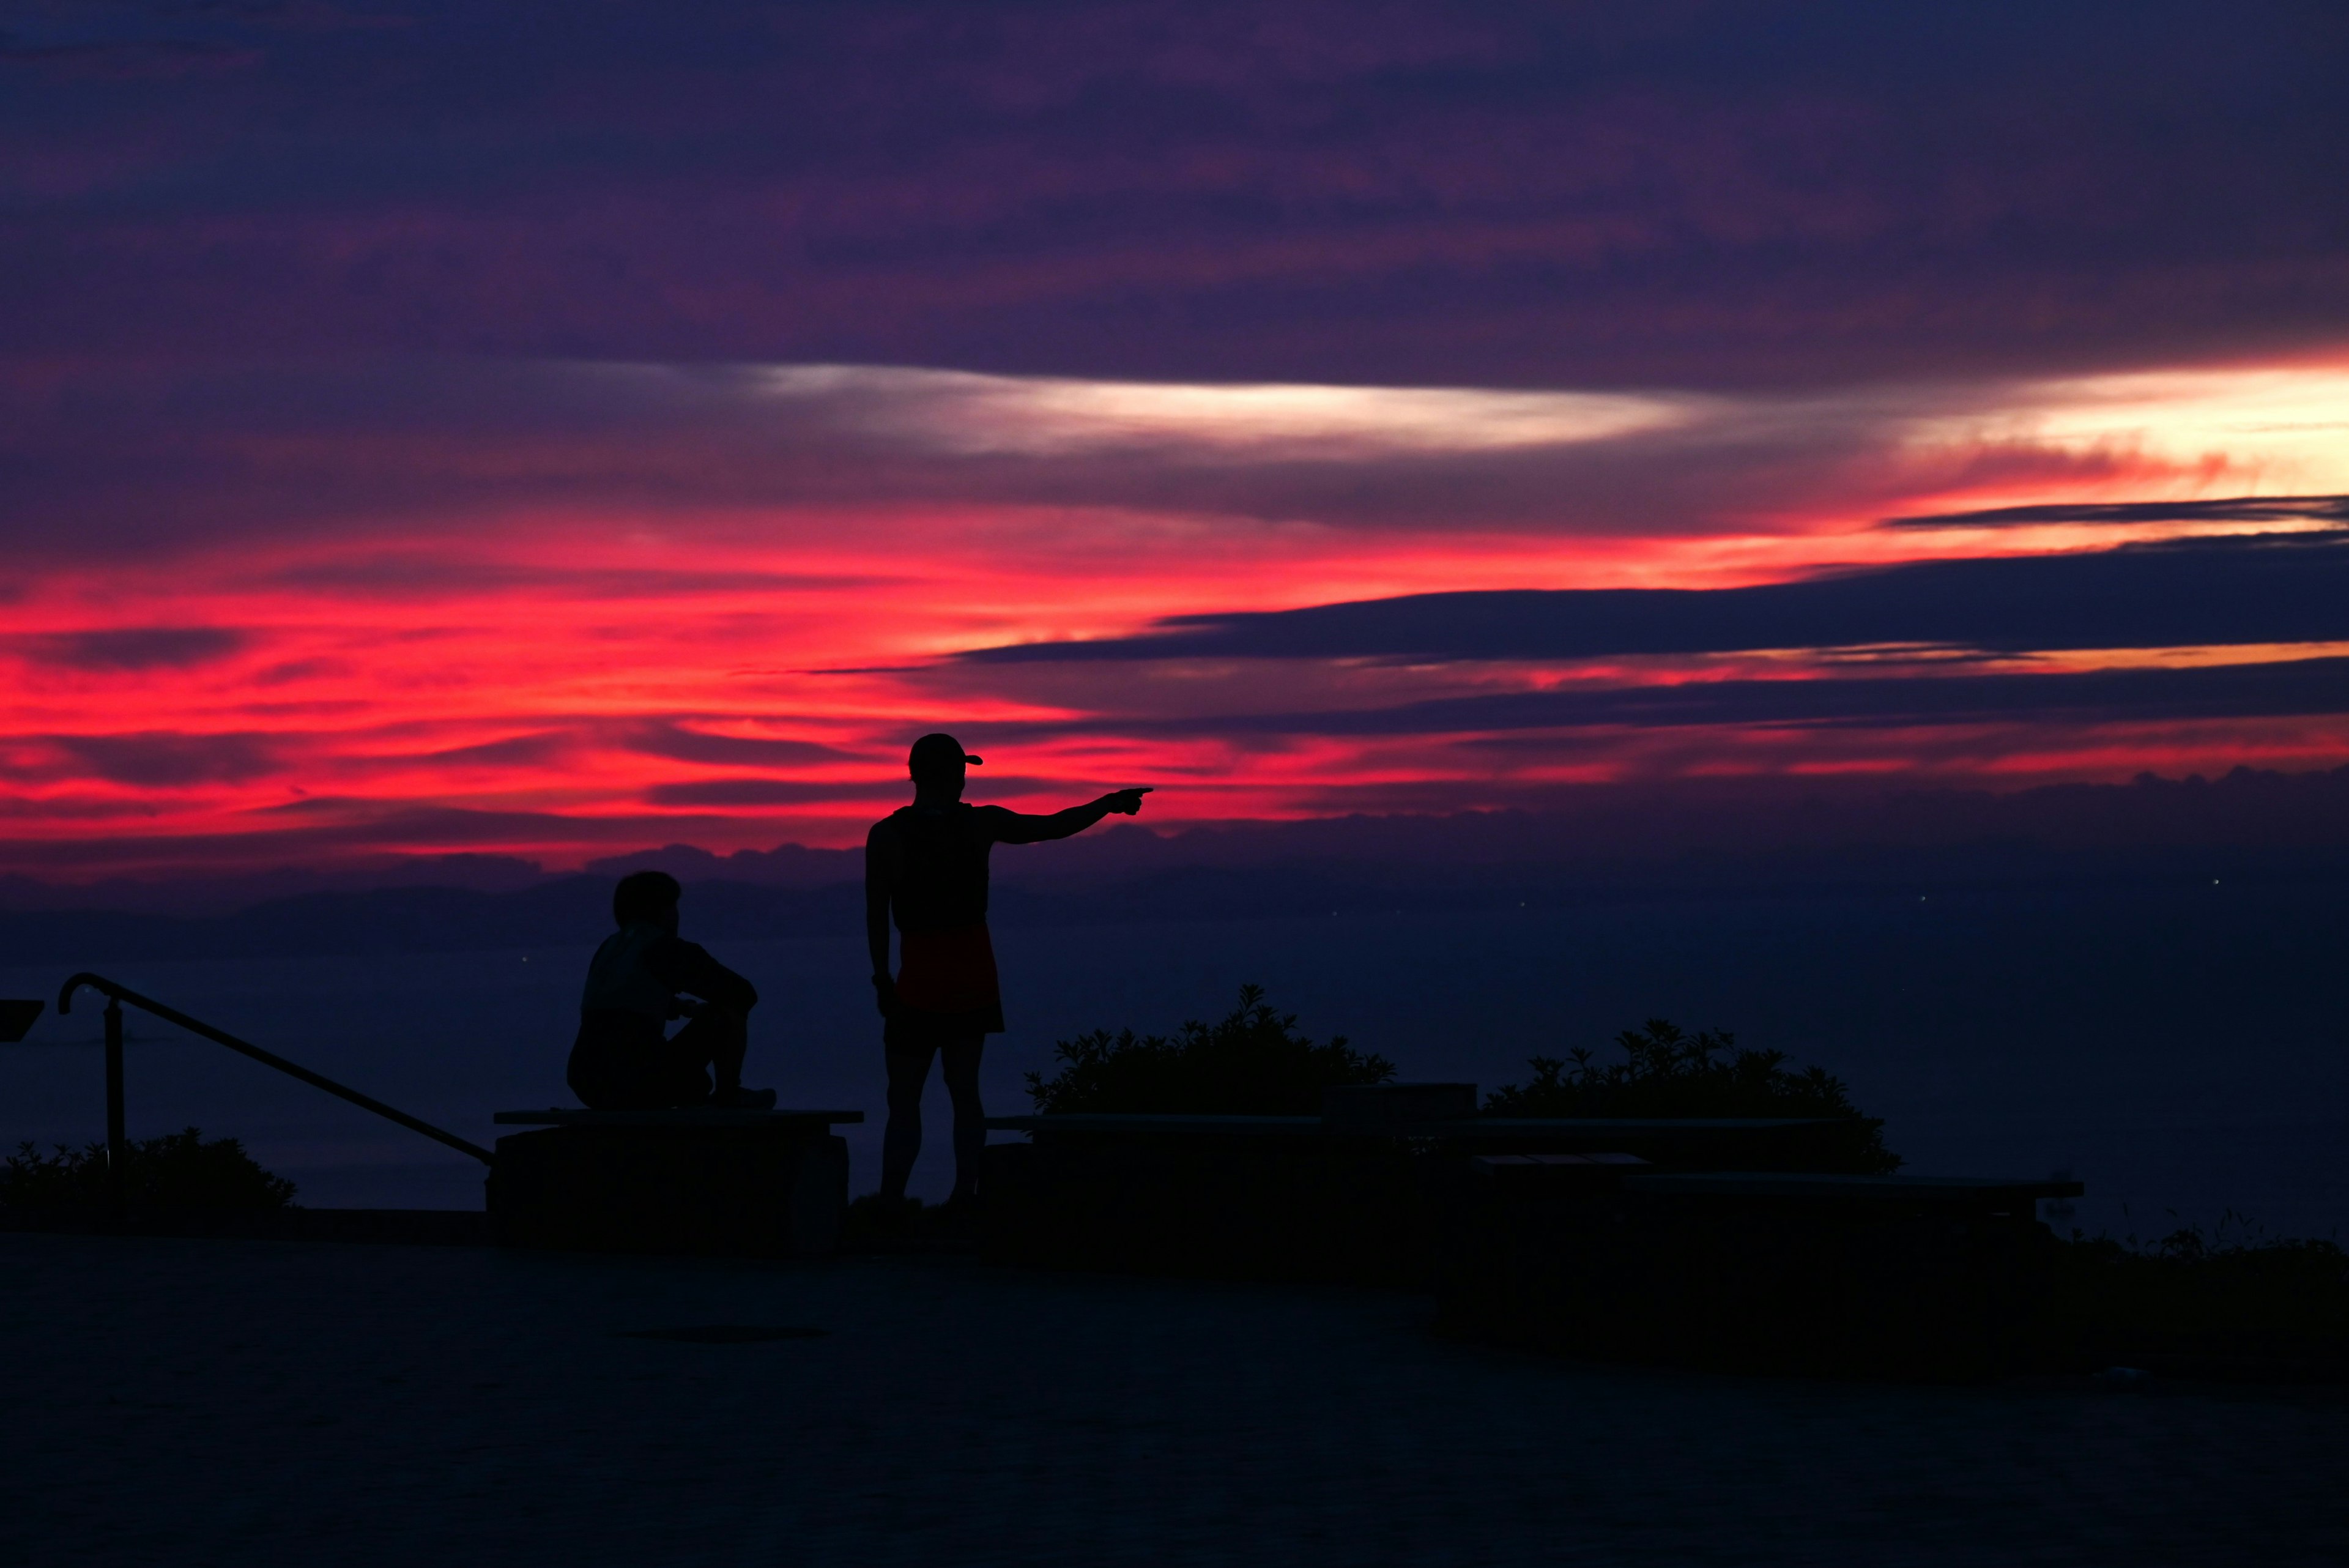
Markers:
688,967
1017,828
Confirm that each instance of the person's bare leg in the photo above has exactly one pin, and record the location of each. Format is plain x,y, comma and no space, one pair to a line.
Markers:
729,1042
713,1043
901,1140
969,1116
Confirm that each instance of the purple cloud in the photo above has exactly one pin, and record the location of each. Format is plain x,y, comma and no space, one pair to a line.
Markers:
2293,687
165,760
678,744
514,751
1505,192
133,647
103,456
2204,592
719,794
2271,509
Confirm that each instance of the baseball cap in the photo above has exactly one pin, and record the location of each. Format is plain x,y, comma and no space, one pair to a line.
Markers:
938,750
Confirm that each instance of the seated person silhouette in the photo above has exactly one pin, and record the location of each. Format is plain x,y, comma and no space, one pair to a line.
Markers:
925,869
644,975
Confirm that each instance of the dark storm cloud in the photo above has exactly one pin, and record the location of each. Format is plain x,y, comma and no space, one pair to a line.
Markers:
133,647
2263,589
2234,509
1487,194
2314,686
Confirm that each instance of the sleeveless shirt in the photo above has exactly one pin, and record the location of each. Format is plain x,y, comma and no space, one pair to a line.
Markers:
942,871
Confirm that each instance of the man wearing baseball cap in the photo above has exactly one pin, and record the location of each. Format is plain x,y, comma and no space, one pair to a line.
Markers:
925,869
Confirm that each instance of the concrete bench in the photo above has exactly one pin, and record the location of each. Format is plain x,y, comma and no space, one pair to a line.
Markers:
1105,1124
1576,1174
746,1183
1365,1190
1542,1164
1443,1114
1983,1197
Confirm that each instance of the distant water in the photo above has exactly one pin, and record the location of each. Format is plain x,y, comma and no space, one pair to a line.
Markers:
2184,1051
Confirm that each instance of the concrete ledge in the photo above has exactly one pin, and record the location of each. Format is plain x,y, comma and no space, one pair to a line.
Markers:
1962,1191
398,1227
766,1186
1552,1127
1346,1121
561,1116
1109,1122
1395,1109
1553,1165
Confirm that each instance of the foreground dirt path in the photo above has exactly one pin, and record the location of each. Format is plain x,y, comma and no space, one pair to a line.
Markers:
190,1402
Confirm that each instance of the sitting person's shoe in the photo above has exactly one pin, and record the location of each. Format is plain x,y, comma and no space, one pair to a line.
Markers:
741,1099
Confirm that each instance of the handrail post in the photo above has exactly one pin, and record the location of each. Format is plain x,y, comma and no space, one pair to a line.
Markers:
118,1147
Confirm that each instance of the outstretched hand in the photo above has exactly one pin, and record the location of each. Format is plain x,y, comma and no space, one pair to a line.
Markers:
1126,802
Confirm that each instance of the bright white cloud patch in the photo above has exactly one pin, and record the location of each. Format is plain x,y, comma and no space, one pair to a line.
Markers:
2270,431
960,412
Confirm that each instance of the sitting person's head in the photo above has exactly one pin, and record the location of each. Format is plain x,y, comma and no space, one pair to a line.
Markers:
646,897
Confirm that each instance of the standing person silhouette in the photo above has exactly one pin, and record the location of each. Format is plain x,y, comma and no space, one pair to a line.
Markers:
925,865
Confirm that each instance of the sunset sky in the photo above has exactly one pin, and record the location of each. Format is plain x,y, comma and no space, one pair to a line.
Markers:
555,430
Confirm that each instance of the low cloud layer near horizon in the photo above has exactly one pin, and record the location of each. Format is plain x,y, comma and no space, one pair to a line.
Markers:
1700,838
2293,588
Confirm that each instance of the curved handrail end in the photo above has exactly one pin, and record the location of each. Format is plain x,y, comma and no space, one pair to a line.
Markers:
74,983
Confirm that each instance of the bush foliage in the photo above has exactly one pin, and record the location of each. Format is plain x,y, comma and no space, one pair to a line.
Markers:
2208,1300
1251,1061
178,1173
1668,1073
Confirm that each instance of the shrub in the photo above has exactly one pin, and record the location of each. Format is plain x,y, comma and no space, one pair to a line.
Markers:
177,1173
1668,1073
1251,1061
2217,1305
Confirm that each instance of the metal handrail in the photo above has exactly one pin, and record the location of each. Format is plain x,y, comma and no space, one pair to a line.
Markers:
116,995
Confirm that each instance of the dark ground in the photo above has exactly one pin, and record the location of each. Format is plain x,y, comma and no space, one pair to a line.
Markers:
251,1402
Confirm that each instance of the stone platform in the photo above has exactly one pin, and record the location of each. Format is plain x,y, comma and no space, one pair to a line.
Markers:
749,1183
1365,1192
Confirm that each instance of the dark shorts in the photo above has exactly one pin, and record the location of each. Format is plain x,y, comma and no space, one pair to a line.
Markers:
947,989
633,1069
